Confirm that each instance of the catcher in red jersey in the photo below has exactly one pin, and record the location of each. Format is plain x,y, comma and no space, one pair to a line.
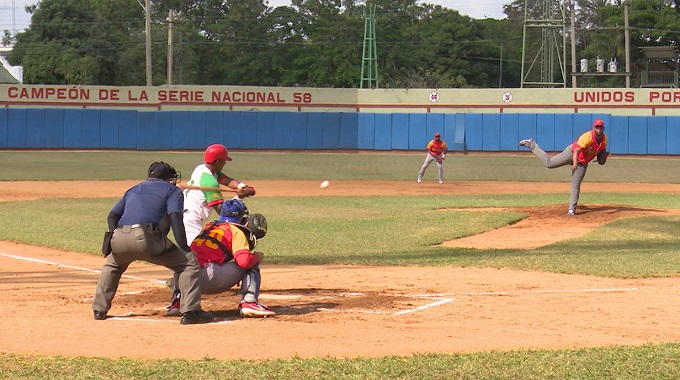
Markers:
578,154
225,250
436,151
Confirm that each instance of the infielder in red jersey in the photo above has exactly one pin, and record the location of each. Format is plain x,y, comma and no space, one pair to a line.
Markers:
578,154
436,151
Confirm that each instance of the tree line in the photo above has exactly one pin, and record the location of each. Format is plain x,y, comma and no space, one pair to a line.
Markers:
314,43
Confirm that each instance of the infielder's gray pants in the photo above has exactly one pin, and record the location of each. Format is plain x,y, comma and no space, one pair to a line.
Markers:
128,245
428,161
563,159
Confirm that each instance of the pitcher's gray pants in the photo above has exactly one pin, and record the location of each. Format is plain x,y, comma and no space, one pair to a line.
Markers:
563,159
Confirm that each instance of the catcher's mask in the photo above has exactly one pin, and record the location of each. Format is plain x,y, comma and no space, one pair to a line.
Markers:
164,171
234,211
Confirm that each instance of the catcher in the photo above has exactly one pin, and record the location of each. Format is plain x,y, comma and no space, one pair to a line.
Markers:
199,204
226,254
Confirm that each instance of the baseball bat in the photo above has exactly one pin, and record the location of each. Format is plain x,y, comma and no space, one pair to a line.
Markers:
187,187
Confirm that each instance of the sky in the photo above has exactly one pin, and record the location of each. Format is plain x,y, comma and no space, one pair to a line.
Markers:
13,17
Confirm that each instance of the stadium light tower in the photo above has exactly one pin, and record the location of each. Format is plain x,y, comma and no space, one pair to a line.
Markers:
544,42
369,62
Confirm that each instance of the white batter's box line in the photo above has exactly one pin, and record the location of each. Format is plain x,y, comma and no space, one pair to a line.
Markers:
557,291
125,318
549,291
438,302
76,267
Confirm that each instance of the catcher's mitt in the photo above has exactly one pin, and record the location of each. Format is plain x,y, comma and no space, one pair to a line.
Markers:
602,157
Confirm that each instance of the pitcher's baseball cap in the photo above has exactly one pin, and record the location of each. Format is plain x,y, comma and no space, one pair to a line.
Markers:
598,123
437,134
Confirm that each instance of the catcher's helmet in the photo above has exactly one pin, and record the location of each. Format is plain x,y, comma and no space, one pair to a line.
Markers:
216,152
234,211
164,171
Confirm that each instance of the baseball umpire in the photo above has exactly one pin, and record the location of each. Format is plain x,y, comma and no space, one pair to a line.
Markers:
139,223
226,254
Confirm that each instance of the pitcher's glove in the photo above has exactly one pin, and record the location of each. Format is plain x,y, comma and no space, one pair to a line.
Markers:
602,157
244,191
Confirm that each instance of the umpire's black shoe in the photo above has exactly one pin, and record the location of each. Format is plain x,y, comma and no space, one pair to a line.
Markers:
196,317
100,315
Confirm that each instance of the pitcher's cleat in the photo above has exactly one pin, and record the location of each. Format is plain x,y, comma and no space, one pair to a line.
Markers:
528,143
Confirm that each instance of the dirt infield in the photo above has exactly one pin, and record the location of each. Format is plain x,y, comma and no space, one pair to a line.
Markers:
341,311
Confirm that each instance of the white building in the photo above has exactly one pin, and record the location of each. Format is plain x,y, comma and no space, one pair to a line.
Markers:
9,73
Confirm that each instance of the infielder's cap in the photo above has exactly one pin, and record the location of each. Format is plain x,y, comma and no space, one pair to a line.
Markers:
437,134
598,123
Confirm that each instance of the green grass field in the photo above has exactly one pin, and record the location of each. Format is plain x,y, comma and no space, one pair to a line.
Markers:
635,248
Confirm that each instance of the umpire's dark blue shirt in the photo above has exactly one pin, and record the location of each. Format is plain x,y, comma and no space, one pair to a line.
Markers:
148,201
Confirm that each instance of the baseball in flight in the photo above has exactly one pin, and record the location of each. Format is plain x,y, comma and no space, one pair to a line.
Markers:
325,184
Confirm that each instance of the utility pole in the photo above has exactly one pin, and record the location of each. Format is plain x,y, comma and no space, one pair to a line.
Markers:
171,19
572,19
500,68
626,34
147,13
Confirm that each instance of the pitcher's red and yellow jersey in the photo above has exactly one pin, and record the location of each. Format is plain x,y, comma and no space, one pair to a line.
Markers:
589,146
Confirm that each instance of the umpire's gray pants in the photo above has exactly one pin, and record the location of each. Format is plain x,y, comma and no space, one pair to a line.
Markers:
128,245
562,159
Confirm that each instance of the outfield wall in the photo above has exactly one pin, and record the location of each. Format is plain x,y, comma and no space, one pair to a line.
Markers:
638,121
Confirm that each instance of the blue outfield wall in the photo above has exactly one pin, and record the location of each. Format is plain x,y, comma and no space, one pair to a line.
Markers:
53,128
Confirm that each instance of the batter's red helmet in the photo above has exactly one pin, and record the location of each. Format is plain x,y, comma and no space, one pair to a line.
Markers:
216,152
